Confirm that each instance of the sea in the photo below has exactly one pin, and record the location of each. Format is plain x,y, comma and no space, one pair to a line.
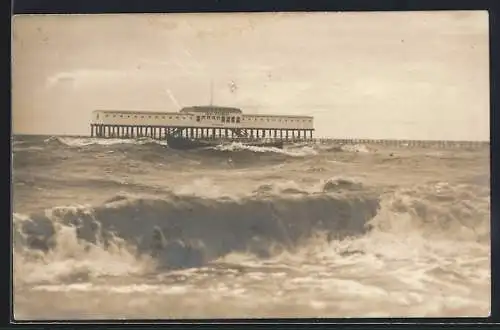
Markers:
130,229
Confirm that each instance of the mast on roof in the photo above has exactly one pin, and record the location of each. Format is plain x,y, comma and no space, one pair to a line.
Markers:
211,91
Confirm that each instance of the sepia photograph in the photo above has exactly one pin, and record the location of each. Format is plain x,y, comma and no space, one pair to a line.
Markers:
251,165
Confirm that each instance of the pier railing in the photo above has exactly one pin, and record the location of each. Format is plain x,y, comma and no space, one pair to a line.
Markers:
442,144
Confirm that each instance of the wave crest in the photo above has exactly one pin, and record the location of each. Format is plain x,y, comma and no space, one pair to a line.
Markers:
183,231
437,210
301,151
83,142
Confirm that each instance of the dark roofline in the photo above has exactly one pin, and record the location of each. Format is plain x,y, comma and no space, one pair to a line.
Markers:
288,116
138,112
197,109
204,108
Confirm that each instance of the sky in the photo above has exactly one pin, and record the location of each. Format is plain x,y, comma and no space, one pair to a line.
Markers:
395,75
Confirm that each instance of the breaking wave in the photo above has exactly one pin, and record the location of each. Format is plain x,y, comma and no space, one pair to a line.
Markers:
183,230
61,150
83,142
54,150
293,150
303,151
199,229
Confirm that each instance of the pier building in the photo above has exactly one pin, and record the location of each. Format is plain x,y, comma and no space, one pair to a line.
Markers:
201,122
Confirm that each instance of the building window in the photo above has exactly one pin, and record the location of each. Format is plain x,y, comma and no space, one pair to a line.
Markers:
97,116
197,118
237,119
232,119
142,116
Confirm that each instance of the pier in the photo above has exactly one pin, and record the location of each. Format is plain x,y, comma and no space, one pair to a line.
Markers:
231,125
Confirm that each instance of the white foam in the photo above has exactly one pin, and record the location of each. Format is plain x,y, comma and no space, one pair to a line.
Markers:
355,148
294,152
81,142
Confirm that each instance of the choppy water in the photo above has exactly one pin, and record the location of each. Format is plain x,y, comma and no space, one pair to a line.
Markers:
124,228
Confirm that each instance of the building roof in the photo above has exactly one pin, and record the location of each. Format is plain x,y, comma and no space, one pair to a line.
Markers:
277,115
138,112
199,109
208,108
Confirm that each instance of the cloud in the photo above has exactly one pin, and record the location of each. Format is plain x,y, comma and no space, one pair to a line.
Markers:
83,77
78,77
